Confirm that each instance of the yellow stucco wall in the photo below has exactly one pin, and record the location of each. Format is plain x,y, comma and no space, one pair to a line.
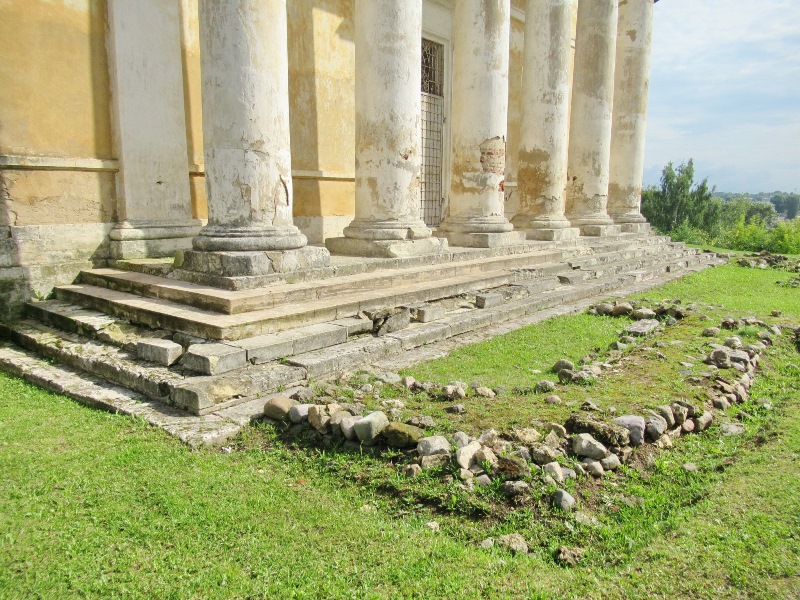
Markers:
54,102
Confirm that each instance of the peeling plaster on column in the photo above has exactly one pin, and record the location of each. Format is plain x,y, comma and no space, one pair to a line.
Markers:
634,45
245,84
388,72
591,115
479,121
544,131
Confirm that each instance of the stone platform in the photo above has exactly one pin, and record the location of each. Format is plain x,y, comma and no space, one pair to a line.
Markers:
179,348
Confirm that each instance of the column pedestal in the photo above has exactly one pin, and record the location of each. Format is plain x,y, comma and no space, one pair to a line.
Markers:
245,79
388,39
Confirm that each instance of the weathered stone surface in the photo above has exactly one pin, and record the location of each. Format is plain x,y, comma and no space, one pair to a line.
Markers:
512,466
544,386
455,409
635,426
483,480
720,358
562,363
702,421
412,470
542,454
604,308
593,467
213,359
434,461
422,421
642,328
347,426
433,445
400,435
278,408
644,313
610,462
513,542
485,455
622,308
583,444
654,428
461,439
681,413
388,377
711,332
732,428
465,456
319,415
162,352
562,500
665,411
488,300
514,489
528,435
554,470
370,427
484,392
610,434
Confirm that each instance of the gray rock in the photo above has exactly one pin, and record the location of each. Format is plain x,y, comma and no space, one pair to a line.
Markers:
544,386
680,412
562,363
434,461
527,435
711,332
703,421
635,426
483,480
555,471
422,421
452,392
465,456
593,467
278,408
553,399
513,489
643,327
542,454
644,313
583,444
610,462
347,426
435,444
604,308
387,377
621,309
455,409
552,440
400,435
654,428
562,500
720,358
732,428
512,466
408,382
303,395
461,439
299,413
513,542
370,427
484,392
665,412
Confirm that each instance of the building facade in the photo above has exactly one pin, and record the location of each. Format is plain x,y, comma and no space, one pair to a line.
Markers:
227,129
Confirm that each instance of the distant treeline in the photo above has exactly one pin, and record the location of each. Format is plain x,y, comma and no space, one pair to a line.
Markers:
694,213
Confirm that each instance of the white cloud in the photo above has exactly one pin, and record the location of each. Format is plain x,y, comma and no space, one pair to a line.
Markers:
725,90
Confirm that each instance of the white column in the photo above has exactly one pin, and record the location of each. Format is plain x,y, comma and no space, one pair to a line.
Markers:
544,130
245,82
631,83
479,120
590,123
154,202
388,39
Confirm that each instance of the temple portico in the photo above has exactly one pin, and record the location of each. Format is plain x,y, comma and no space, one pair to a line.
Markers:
229,133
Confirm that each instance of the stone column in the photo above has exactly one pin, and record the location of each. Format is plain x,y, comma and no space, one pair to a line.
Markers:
388,39
631,82
590,123
479,121
154,203
544,130
245,82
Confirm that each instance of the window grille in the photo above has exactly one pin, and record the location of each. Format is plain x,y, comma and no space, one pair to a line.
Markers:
431,176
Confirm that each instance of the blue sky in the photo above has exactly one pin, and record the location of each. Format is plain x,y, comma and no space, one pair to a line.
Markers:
725,91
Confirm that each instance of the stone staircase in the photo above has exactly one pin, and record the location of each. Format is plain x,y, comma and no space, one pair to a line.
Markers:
235,346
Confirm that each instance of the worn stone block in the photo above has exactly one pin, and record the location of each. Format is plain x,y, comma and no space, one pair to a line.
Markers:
213,359
162,352
427,312
489,300
265,348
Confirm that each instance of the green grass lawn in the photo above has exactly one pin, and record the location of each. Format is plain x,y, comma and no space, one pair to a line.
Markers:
99,505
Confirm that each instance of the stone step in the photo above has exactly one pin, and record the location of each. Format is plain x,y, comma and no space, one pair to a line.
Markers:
175,386
159,313
631,264
240,301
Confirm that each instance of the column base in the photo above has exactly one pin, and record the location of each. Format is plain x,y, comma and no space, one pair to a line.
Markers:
157,241
635,227
600,230
224,269
386,248
553,235
483,240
